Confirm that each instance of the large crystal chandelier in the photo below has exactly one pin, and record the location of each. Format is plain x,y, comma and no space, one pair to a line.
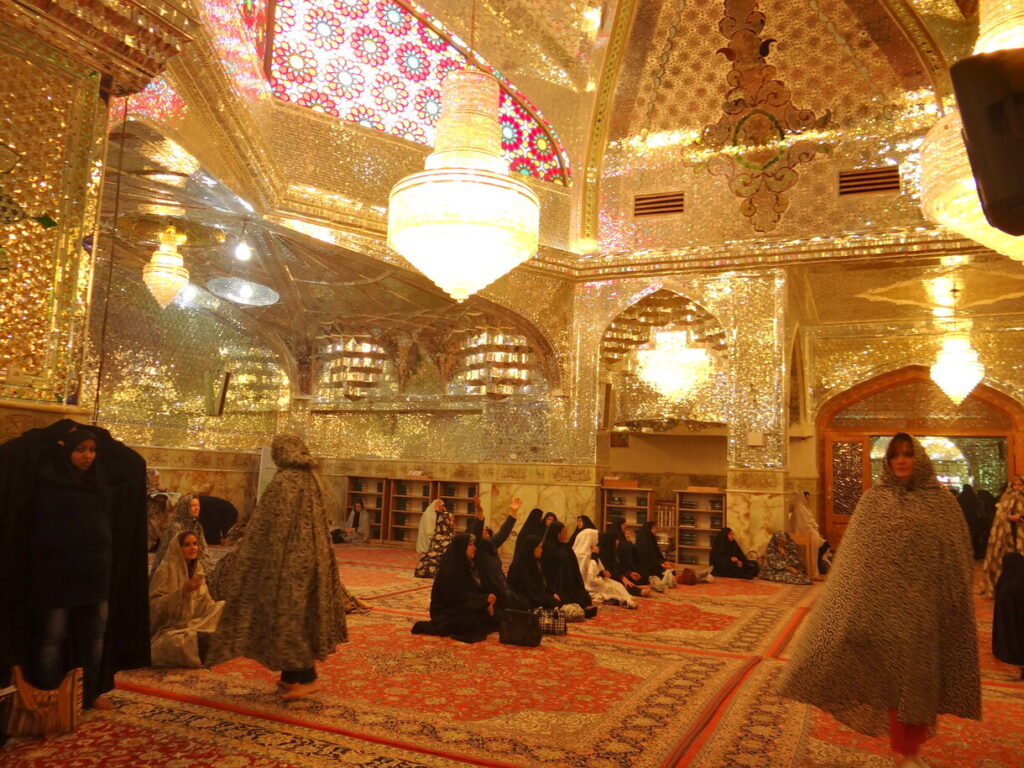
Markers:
464,222
957,369
674,365
949,195
165,274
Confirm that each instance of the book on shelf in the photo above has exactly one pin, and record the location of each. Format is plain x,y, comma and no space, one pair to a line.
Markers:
687,538
715,521
402,489
399,519
641,516
715,504
687,504
449,490
357,485
690,520
641,501
400,504
688,558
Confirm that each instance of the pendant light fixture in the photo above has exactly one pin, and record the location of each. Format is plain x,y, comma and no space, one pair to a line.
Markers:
957,369
165,274
463,221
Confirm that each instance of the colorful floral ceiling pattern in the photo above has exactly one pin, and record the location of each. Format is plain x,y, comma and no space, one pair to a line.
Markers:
380,64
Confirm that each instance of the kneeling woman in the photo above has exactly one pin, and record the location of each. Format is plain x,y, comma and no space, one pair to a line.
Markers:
460,608
182,614
727,559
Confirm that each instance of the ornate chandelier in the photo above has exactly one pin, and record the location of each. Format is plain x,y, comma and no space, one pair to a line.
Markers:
464,222
949,195
673,365
165,274
957,370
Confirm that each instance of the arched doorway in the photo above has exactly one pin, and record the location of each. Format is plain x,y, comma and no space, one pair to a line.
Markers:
852,423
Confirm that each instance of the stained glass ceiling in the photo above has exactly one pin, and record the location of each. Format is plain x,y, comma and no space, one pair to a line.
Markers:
380,63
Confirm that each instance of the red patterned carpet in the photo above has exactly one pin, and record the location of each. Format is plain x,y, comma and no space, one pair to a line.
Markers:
685,680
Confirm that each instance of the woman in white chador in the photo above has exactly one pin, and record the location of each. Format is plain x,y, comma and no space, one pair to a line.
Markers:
428,521
182,615
598,581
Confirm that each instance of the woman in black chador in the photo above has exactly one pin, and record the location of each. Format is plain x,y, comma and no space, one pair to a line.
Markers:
727,559
533,525
73,540
650,560
526,577
583,523
460,607
560,567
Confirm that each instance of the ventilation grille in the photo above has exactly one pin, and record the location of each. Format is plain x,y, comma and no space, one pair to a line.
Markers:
867,180
662,204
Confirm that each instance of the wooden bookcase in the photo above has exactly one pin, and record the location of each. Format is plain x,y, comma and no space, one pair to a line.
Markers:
372,491
407,498
458,498
701,515
636,505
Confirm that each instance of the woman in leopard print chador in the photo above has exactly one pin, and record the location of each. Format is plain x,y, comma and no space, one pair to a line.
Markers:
891,642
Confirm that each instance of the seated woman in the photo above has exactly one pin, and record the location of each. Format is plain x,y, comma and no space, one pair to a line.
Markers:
596,578
727,559
561,569
460,607
533,525
526,577
583,523
185,518
782,561
444,531
618,560
182,615
356,528
650,560
488,561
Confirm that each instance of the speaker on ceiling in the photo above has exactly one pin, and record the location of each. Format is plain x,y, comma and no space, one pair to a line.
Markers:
989,90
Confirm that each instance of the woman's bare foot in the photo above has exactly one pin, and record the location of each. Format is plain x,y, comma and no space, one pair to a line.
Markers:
301,690
102,702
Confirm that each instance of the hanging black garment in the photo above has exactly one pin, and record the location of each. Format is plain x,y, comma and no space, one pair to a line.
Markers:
1008,615
458,601
126,644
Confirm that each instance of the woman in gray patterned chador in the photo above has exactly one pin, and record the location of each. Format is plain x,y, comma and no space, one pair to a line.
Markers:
891,642
284,604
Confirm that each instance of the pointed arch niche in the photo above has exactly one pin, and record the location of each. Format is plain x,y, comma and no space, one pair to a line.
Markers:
905,400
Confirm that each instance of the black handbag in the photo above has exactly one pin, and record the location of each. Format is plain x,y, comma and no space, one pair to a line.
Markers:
519,628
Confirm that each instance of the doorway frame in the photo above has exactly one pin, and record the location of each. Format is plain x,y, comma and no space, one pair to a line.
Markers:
835,525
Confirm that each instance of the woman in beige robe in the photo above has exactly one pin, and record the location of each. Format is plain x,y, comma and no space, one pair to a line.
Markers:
1009,520
182,615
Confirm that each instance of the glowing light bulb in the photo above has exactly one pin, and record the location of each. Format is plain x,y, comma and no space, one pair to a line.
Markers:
242,251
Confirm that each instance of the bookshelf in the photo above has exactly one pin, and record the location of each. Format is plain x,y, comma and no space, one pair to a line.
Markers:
458,498
372,491
636,505
701,515
407,499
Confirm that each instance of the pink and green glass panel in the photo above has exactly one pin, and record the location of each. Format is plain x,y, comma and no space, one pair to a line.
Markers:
376,63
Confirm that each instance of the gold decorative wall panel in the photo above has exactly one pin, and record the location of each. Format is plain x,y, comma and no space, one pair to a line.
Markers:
847,476
50,156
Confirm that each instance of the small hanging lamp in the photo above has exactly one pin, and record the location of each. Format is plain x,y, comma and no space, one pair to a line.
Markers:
165,274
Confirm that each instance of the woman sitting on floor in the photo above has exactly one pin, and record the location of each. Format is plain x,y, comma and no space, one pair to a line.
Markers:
533,525
650,559
596,578
182,615
727,559
460,607
782,561
526,577
488,561
583,523
185,518
444,531
561,569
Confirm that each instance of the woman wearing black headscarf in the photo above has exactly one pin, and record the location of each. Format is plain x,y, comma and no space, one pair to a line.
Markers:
650,560
970,505
72,545
488,561
460,607
560,567
533,525
617,556
526,576
71,554
583,523
727,558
